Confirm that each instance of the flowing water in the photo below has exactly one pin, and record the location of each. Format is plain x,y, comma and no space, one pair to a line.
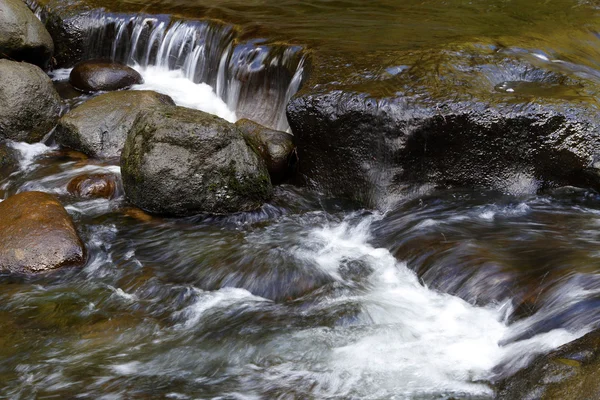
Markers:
306,298
437,296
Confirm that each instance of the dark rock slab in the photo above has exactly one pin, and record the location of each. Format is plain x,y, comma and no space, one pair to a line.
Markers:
469,117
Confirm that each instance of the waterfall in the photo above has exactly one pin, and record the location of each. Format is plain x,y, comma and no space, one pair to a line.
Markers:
255,78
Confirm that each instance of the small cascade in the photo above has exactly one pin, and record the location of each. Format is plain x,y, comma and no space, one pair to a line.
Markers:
255,79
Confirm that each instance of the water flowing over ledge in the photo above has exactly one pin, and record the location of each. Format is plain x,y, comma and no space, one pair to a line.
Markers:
254,78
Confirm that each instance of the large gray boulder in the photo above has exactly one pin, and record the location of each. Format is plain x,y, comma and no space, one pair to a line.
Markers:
37,234
22,36
179,161
99,126
29,104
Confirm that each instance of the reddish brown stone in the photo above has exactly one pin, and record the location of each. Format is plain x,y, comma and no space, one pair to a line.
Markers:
37,234
93,186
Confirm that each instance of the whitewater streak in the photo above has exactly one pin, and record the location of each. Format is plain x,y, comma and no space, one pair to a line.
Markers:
407,339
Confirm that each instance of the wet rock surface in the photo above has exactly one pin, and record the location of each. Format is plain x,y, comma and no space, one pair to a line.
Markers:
103,75
570,372
93,186
275,147
67,24
29,104
9,161
22,36
493,121
99,126
37,234
178,161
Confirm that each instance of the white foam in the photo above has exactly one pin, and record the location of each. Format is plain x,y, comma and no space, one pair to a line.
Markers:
129,368
29,152
407,339
184,92
121,293
211,301
61,74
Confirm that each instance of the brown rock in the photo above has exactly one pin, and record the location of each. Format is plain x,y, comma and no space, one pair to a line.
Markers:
37,234
96,75
93,186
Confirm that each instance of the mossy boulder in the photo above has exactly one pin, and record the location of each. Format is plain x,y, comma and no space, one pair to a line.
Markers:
99,126
275,147
29,104
37,234
178,161
103,75
22,36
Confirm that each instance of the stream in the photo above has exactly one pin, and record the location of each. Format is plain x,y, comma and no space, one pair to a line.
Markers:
437,295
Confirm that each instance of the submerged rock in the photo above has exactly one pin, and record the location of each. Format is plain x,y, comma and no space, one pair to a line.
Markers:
102,75
29,104
448,117
570,372
179,161
99,126
22,36
275,147
93,186
37,234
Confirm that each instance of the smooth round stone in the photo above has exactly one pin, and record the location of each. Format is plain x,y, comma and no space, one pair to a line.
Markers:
102,75
37,234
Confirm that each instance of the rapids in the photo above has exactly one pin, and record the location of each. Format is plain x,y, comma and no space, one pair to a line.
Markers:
439,294
307,297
